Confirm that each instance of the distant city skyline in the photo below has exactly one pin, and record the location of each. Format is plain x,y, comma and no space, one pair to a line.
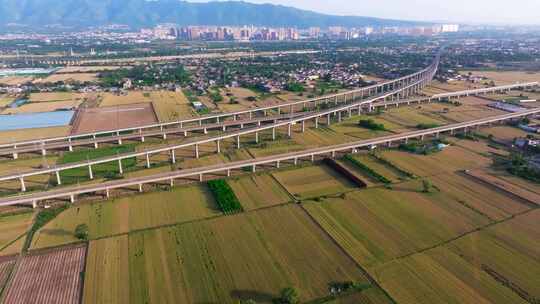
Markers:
460,11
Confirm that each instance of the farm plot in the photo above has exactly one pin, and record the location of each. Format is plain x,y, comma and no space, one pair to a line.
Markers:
440,276
468,112
485,200
132,97
410,118
9,167
258,191
171,106
314,181
505,134
44,107
37,133
506,77
56,96
6,265
386,171
207,262
51,277
127,214
351,127
377,225
449,160
68,78
13,227
102,170
115,117
509,252
322,136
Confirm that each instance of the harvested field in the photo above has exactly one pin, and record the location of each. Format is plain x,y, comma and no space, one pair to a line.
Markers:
440,276
55,96
258,191
480,147
11,228
43,107
509,251
485,200
127,214
377,225
49,277
37,133
72,77
314,181
410,118
351,128
207,262
505,186
505,134
495,265
84,69
322,136
110,118
132,97
449,160
517,181
506,77
15,80
171,106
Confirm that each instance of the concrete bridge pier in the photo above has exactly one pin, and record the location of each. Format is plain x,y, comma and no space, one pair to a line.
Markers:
173,157
256,137
120,169
238,142
289,127
197,151
218,146
15,155
277,164
23,185
58,180
90,173
316,122
274,133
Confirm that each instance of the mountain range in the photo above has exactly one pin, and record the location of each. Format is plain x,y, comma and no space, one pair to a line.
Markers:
147,13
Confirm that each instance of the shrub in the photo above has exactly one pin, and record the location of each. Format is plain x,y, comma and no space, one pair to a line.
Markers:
371,124
289,295
425,126
81,232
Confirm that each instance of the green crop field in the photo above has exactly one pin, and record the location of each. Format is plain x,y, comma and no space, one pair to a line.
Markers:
129,213
377,225
258,191
102,170
245,256
314,181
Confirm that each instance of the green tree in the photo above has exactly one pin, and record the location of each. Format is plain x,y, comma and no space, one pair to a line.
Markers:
81,232
289,295
426,186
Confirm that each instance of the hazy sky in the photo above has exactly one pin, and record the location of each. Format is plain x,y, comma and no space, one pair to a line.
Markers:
470,11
